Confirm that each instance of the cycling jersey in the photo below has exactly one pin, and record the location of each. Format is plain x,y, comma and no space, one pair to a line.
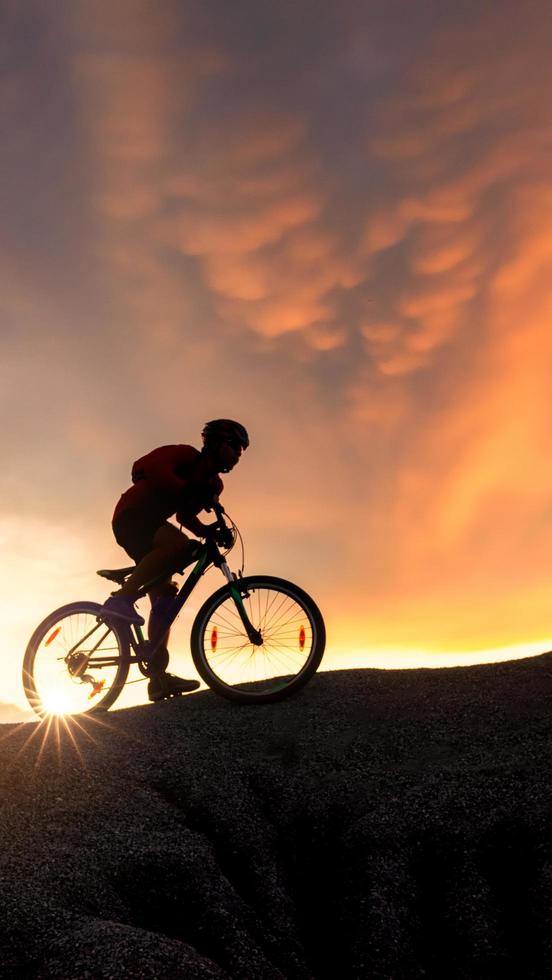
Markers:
171,480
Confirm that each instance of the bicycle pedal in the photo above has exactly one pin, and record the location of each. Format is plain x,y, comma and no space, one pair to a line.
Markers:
167,697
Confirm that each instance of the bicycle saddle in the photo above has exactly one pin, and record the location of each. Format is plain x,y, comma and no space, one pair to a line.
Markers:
116,574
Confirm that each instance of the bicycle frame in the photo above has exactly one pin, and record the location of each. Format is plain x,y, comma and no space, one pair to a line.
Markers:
283,664
208,554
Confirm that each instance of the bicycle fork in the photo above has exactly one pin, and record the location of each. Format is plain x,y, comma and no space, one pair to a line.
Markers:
254,635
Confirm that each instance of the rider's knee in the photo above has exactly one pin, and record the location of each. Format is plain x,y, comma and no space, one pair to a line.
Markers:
167,590
172,541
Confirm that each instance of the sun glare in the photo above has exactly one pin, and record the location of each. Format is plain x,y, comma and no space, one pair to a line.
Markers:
56,702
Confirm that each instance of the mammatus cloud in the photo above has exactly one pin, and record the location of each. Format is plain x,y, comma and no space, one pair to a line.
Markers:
337,230
244,193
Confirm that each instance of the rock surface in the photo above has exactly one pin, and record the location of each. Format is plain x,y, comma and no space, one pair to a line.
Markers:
381,824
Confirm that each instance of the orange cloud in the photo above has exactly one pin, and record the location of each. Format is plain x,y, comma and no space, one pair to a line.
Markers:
441,247
326,337
476,492
233,231
378,333
253,137
379,274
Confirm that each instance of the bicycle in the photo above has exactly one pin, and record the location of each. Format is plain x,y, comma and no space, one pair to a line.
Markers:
257,639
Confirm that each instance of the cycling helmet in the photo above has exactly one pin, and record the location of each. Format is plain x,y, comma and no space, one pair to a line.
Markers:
225,430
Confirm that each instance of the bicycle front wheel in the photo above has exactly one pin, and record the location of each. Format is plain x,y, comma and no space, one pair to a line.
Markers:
75,664
293,640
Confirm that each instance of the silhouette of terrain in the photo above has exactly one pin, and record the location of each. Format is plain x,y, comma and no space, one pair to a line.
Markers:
12,714
381,824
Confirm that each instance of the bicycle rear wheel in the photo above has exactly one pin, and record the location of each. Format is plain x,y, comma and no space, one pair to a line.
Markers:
293,644
73,663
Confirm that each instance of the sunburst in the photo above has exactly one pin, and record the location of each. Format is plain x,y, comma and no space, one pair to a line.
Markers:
60,731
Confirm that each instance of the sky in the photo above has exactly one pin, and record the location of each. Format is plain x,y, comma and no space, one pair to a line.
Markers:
331,221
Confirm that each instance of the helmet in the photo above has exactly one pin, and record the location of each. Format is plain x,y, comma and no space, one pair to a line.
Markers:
225,430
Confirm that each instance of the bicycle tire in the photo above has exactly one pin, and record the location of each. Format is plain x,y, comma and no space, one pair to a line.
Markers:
275,688
50,626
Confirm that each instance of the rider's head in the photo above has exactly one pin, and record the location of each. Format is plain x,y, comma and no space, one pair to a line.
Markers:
225,440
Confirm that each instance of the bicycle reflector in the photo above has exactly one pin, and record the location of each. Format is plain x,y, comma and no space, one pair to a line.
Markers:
97,686
302,639
52,636
214,638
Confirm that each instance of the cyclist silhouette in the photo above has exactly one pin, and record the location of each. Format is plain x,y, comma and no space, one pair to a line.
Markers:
170,480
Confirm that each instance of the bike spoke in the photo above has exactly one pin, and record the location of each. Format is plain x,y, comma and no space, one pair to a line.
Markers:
287,634
71,671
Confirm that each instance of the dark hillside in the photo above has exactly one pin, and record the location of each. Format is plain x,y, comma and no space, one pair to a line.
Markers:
389,824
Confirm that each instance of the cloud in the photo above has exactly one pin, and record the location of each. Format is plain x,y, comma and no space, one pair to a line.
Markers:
240,232
441,247
286,288
476,490
239,223
333,225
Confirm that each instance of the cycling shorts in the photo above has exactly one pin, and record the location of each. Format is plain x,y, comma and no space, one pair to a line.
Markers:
135,532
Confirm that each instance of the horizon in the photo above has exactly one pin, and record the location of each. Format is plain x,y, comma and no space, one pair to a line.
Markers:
331,224
401,660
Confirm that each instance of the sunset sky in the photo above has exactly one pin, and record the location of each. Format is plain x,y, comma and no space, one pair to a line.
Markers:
332,221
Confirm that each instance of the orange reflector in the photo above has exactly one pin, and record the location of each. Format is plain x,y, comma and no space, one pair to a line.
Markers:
302,638
214,638
52,636
97,686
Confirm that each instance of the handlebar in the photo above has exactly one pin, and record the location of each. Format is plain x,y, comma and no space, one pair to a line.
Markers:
221,533
219,511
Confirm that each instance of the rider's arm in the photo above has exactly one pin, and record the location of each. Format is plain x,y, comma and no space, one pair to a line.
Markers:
208,495
192,523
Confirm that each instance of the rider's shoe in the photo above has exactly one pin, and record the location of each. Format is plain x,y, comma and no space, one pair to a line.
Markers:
162,686
121,607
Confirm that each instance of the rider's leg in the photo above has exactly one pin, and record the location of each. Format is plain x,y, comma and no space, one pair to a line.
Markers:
169,546
161,684
157,551
161,597
166,550
175,547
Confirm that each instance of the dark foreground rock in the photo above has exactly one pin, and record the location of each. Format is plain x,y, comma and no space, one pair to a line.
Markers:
379,825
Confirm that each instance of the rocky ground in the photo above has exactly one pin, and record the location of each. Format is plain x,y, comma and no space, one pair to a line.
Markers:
381,824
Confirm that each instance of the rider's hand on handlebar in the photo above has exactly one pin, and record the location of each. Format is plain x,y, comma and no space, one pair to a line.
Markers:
216,506
209,530
222,535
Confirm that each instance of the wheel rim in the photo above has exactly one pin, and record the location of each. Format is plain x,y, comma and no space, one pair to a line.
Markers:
76,665
289,640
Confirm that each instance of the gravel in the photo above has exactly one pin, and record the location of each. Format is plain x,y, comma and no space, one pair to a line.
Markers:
380,824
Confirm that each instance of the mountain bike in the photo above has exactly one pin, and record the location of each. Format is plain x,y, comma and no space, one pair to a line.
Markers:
257,639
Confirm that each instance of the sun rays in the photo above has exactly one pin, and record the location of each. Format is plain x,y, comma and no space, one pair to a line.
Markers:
60,737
